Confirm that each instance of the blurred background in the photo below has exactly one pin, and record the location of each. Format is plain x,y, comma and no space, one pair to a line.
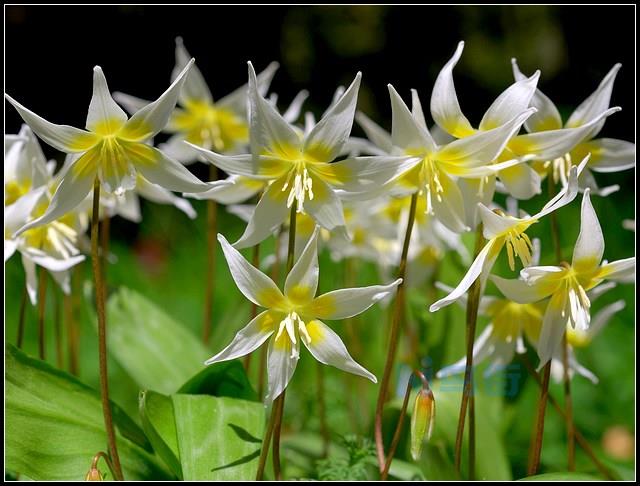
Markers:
49,55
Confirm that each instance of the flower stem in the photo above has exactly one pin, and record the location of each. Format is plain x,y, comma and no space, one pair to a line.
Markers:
102,332
277,426
582,442
212,229
468,399
393,338
42,301
105,230
568,405
23,308
534,454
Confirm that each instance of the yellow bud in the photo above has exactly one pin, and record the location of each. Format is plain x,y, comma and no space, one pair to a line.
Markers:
422,419
93,475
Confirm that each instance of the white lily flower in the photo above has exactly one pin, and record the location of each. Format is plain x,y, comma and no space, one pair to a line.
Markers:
501,229
301,165
294,316
568,284
607,154
112,148
221,125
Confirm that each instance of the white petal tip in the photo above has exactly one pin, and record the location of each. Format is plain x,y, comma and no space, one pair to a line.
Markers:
97,69
179,41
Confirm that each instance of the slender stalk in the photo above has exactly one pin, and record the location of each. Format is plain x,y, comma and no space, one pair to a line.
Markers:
23,308
582,442
212,229
105,231
277,426
322,411
96,458
255,261
42,301
473,301
397,433
102,333
393,337
534,454
264,452
568,405
58,328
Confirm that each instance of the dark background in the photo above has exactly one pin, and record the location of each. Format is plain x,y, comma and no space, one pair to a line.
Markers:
49,52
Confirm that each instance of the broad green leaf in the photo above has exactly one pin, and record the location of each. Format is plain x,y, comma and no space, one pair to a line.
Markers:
219,438
226,379
562,476
54,425
156,413
158,353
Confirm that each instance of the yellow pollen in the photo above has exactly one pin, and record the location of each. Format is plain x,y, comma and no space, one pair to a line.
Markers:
301,187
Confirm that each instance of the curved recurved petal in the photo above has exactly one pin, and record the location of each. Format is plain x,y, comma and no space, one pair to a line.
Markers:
282,358
249,338
327,347
448,205
482,347
240,189
153,118
609,154
237,101
302,282
406,132
523,292
325,207
482,264
257,167
621,270
589,248
330,134
62,137
18,213
131,103
374,132
554,325
76,183
195,87
270,212
521,181
360,174
105,116
551,144
445,108
254,285
513,101
159,169
595,104
547,117
158,194
55,264
345,303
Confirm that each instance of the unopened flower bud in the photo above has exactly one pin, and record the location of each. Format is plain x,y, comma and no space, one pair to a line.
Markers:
93,475
422,419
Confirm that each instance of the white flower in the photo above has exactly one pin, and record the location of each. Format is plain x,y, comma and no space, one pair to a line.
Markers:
294,316
113,148
567,285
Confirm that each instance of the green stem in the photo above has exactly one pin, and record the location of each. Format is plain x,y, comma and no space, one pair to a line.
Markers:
534,454
568,405
23,308
396,435
277,427
212,229
393,338
42,301
102,333
473,301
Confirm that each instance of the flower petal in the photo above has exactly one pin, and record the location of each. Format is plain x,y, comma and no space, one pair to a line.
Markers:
521,181
547,117
177,148
482,264
511,102
345,303
31,279
152,118
448,206
55,264
292,113
406,133
237,101
476,191
445,108
327,347
76,183
482,347
374,132
18,213
522,292
130,103
325,207
359,174
554,325
269,131
589,248
270,212
620,270
158,194
195,87
595,104
254,285
257,167
240,189
610,154
332,131
62,137
551,144
249,338
105,116
282,358
159,169
302,282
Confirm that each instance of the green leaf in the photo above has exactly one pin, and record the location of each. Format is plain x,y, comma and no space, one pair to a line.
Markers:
562,476
158,353
54,425
227,379
219,438
157,415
